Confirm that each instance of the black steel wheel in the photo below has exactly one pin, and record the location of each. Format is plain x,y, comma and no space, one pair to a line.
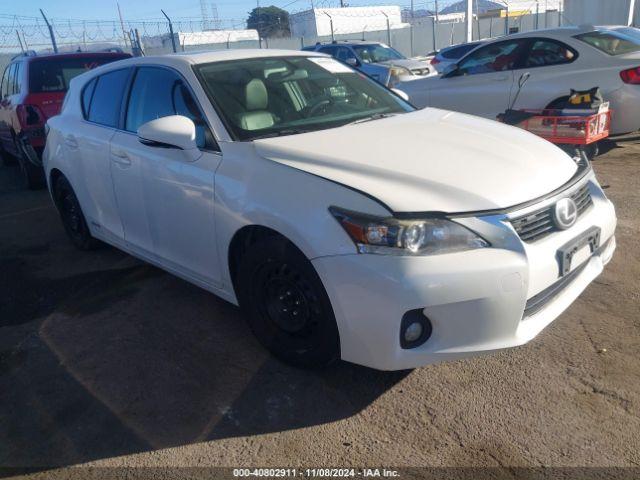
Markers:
286,304
72,217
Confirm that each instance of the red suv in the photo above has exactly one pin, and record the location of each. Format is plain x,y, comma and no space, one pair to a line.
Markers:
32,90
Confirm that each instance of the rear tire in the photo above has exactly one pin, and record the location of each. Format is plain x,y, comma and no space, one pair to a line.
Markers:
286,304
72,217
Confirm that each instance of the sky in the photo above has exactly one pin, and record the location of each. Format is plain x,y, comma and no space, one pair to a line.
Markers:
149,10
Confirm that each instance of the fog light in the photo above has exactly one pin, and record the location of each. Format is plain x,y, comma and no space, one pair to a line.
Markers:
413,332
415,329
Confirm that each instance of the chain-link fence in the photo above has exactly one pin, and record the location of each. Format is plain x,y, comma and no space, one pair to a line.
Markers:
419,38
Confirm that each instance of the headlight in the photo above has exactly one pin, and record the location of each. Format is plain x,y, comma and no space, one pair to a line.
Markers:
395,72
390,236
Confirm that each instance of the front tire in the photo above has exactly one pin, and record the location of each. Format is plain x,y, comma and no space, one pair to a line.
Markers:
71,215
33,176
286,304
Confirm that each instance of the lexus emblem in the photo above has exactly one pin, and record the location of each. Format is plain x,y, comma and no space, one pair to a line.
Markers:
565,213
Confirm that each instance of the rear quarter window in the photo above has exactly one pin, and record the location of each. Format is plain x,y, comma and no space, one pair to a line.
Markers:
612,42
106,100
87,94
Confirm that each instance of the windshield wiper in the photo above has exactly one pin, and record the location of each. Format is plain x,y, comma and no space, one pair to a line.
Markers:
281,133
370,118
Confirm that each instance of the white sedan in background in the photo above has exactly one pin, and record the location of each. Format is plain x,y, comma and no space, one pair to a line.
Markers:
485,81
299,188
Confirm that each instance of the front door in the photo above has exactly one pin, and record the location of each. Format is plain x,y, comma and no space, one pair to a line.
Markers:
165,198
483,83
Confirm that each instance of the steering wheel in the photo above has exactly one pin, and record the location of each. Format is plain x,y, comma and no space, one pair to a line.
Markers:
321,103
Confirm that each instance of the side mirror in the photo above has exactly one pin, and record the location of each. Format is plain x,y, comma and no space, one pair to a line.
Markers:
174,131
403,95
353,61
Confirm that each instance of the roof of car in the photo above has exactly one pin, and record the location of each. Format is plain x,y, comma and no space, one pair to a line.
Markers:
32,56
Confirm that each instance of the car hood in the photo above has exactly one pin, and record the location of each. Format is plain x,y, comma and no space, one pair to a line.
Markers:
429,160
410,63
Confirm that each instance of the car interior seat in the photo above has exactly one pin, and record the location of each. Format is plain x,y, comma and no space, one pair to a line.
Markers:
256,100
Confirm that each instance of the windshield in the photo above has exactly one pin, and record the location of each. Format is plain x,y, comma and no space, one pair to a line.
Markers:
261,97
613,42
377,53
54,74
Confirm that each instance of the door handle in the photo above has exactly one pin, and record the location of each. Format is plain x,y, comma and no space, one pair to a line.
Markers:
120,157
71,142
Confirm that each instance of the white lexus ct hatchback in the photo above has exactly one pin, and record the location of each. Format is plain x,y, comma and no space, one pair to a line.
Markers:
298,188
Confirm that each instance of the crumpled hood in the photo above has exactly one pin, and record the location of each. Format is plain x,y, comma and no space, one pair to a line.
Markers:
410,63
429,160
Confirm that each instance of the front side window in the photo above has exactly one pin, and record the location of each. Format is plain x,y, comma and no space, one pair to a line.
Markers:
376,53
54,75
159,92
613,42
287,95
16,78
11,84
497,57
105,103
544,53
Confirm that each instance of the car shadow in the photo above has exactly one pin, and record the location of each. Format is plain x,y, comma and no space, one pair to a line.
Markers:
124,358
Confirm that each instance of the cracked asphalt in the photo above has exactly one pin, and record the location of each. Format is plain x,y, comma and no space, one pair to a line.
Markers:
106,361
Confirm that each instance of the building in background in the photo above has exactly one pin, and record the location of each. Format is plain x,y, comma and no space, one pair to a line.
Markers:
196,40
318,22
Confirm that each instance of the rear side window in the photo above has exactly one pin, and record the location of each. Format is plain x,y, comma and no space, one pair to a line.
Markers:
159,92
612,42
87,94
54,75
108,91
544,53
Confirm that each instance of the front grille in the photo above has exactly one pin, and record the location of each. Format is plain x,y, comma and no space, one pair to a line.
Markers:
539,224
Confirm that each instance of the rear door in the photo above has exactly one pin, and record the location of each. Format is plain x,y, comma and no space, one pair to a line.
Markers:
86,143
553,69
483,82
166,198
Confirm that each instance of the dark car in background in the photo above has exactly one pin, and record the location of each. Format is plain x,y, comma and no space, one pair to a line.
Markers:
32,90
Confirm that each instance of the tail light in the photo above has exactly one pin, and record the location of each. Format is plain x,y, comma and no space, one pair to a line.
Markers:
435,61
631,76
30,116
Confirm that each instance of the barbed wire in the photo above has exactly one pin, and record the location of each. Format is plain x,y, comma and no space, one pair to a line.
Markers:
22,31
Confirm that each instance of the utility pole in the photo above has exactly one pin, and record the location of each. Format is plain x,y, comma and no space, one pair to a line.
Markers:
537,13
632,8
506,21
437,18
51,34
124,32
173,40
469,18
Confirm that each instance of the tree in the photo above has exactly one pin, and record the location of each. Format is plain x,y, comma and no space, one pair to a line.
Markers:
269,21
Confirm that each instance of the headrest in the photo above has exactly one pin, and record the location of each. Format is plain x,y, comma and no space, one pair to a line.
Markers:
255,95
